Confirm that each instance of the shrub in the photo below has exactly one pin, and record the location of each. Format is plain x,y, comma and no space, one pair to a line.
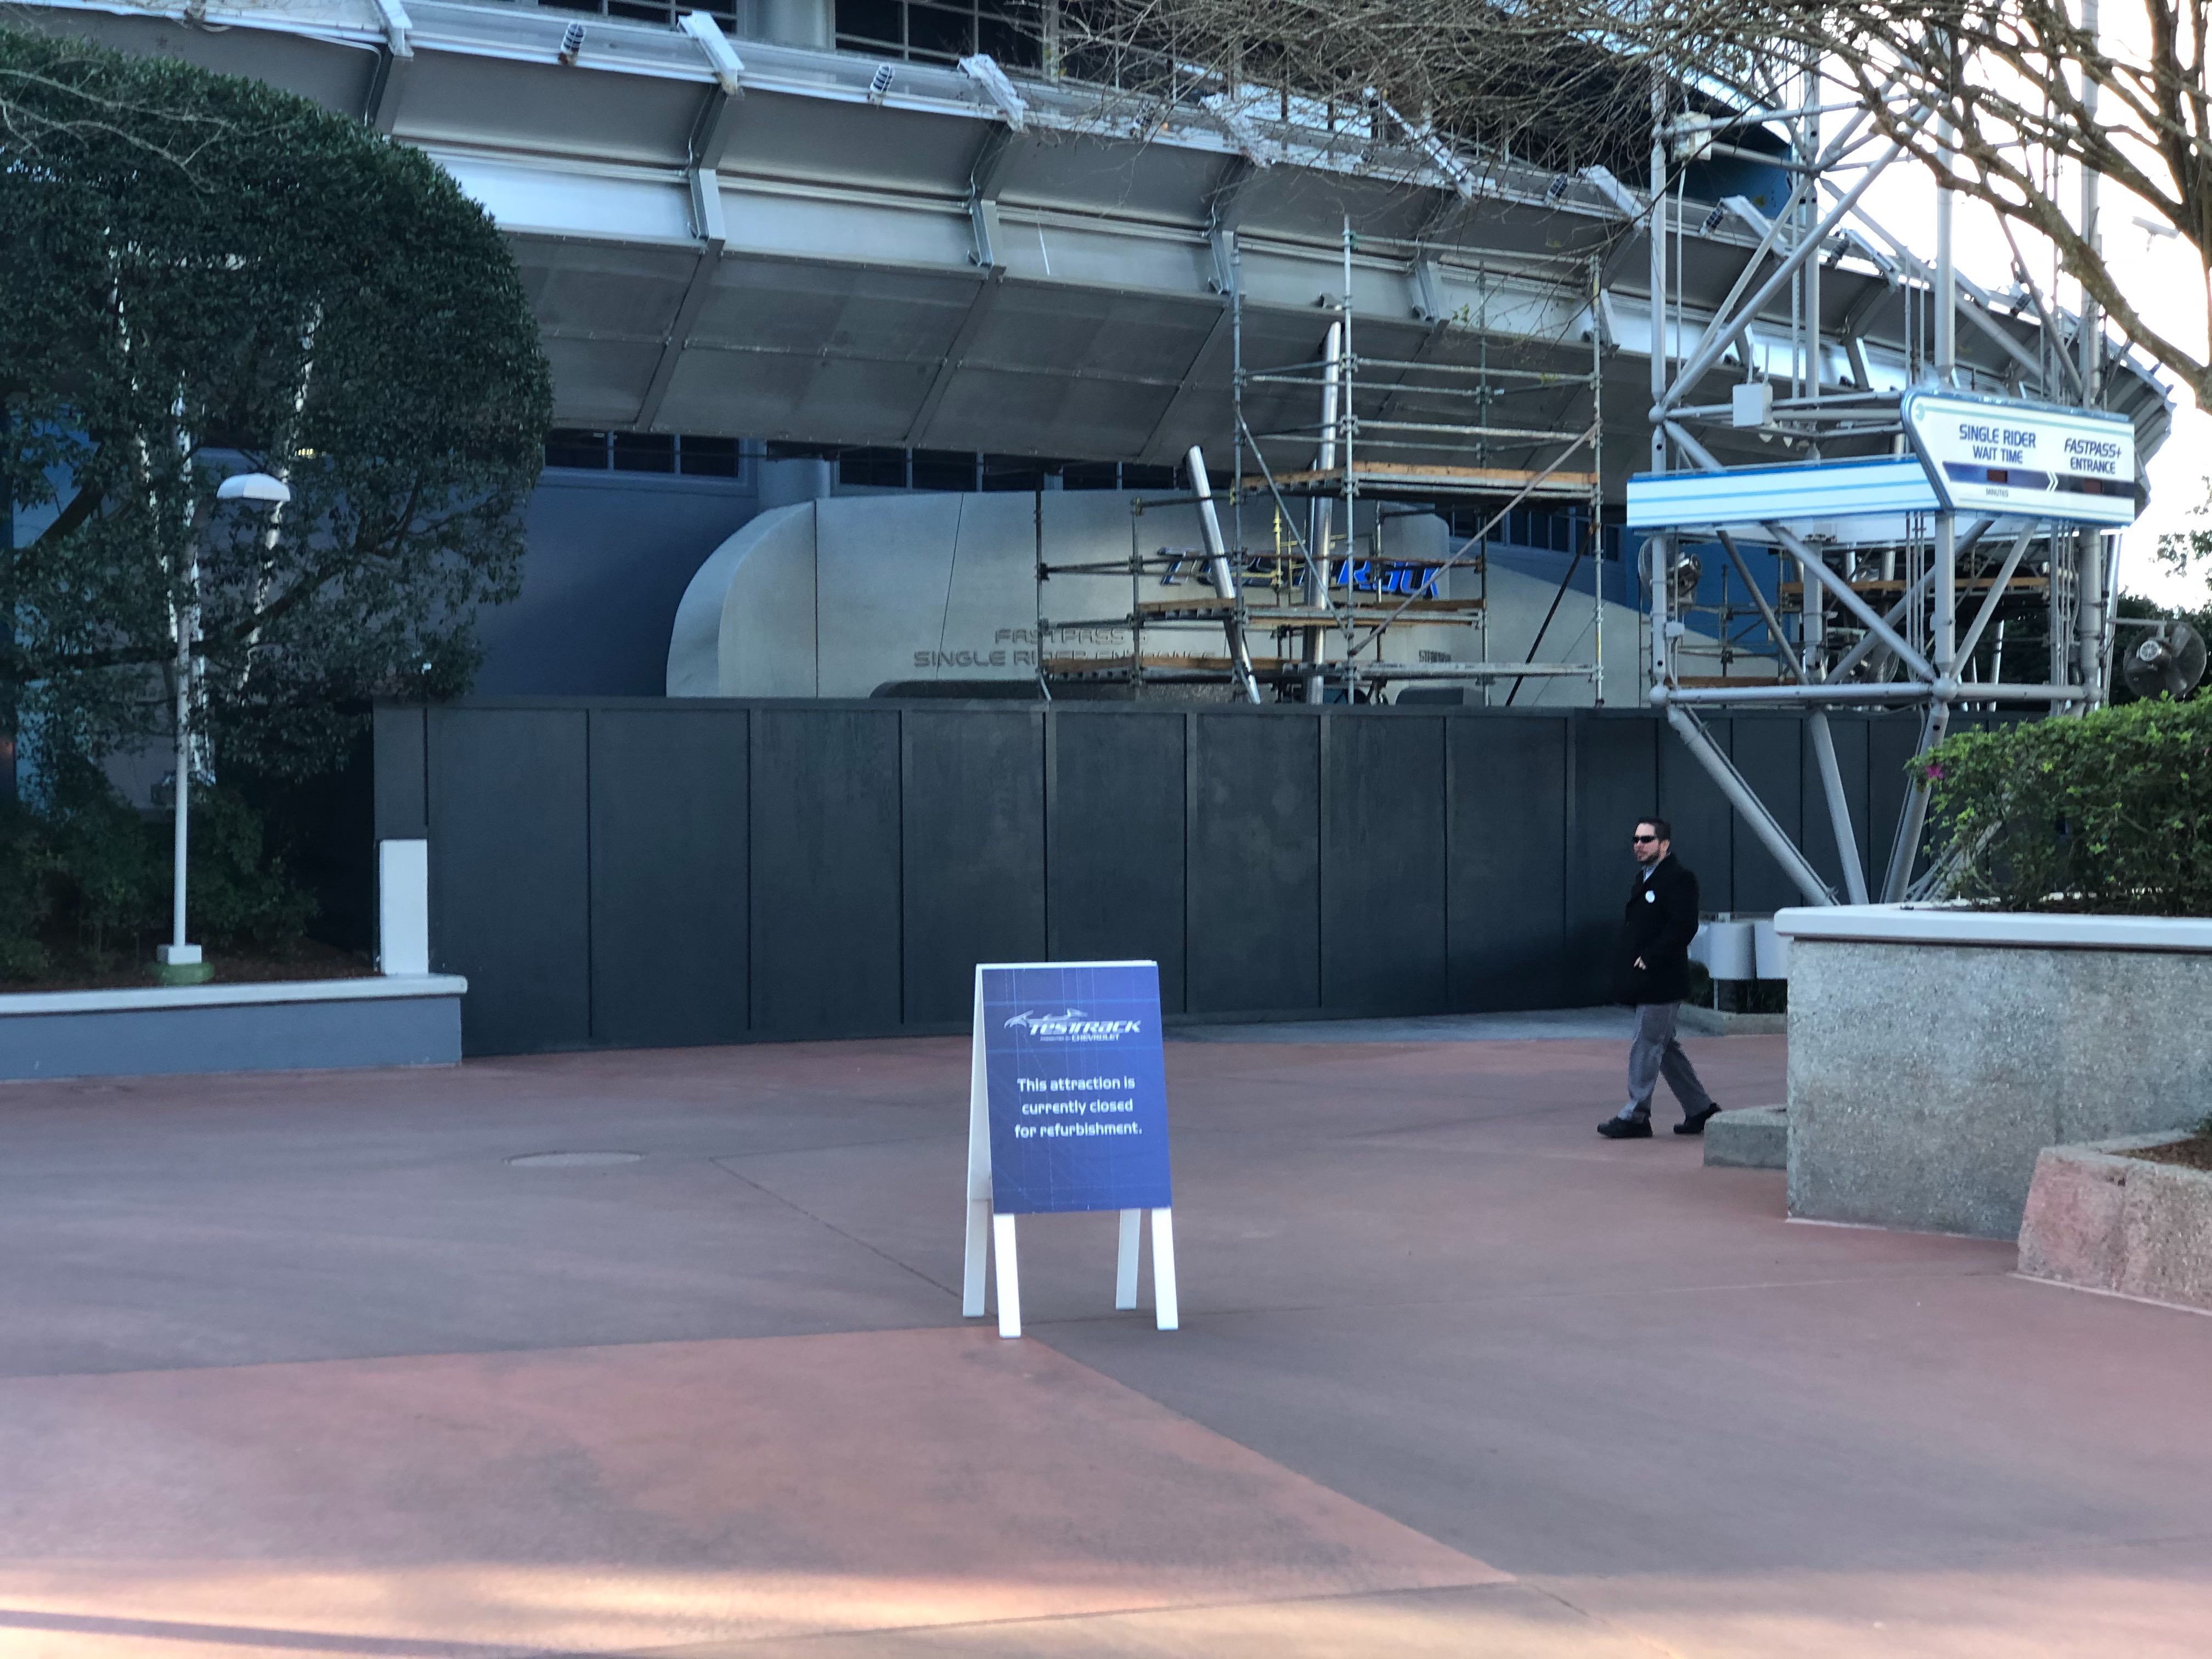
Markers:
23,898
2106,813
85,878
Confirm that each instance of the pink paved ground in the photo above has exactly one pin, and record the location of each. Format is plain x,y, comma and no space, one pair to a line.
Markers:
303,1365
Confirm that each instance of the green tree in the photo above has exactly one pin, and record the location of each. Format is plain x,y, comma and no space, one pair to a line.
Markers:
205,275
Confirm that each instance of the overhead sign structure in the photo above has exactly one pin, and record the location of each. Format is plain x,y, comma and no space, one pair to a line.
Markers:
1979,455
2005,459
1749,496
1068,1111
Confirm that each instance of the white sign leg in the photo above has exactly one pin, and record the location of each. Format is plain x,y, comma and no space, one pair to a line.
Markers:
1010,1275
1164,1271
1125,1260
979,1171
972,1264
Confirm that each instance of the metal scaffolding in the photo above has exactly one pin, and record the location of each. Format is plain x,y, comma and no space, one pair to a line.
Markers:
1384,440
1918,616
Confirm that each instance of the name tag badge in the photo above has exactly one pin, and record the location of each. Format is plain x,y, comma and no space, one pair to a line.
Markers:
1650,897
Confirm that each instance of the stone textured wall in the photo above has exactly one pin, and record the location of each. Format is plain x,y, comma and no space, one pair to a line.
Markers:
1925,1079
2107,1222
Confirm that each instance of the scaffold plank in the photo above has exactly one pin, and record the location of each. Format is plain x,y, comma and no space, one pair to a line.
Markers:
1372,479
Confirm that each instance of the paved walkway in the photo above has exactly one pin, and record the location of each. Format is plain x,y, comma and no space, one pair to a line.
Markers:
309,1365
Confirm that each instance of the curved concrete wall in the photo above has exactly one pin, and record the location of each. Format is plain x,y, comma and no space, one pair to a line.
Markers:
838,597
834,597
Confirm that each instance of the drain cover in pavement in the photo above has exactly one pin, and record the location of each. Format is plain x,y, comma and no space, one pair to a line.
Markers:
571,1160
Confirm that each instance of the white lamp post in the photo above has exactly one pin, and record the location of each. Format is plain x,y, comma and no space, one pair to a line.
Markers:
178,963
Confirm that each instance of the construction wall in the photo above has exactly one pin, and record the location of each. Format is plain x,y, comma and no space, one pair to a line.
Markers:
646,872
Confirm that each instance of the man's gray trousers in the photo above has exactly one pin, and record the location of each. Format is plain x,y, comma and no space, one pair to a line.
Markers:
1654,1053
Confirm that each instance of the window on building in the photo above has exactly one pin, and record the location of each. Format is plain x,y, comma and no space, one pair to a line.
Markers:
577,449
940,31
725,12
944,468
569,446
645,452
708,457
882,469
1017,472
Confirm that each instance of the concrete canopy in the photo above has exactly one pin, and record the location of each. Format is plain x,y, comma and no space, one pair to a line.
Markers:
736,238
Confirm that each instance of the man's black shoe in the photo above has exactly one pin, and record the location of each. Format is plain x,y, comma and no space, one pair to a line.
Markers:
1626,1128
1695,1123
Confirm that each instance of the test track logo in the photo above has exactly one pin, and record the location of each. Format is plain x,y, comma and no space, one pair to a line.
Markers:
1073,1025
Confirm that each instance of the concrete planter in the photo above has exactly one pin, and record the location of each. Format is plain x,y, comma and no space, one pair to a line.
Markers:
412,1020
1748,1138
1935,1052
405,1015
2105,1222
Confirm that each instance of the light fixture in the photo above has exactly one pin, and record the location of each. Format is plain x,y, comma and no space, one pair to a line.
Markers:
983,69
257,487
572,42
879,83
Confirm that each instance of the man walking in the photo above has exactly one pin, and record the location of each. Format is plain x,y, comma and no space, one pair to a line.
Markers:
1651,974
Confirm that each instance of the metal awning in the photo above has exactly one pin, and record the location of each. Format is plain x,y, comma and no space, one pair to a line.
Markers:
742,239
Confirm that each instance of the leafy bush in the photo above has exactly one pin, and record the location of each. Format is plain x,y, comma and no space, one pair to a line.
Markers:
24,903
85,879
2108,813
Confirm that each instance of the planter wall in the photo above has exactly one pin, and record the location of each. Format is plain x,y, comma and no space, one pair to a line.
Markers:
313,1025
405,1015
1935,1052
2105,1222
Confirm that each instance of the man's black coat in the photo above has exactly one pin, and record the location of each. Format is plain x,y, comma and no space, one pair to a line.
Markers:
1661,920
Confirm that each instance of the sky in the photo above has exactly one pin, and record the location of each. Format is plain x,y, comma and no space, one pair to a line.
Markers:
2162,276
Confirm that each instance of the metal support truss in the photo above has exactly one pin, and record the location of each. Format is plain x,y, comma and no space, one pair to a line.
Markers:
1876,622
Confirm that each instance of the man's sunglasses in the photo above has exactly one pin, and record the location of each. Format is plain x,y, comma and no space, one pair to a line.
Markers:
1637,838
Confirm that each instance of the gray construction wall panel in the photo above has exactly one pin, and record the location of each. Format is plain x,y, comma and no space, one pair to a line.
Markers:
1850,734
1114,868
626,872
1892,741
973,850
825,862
1766,751
670,875
510,873
1890,744
1616,783
1506,861
1254,900
1705,827
1384,865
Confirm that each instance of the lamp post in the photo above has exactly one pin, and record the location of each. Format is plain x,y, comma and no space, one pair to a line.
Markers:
178,963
